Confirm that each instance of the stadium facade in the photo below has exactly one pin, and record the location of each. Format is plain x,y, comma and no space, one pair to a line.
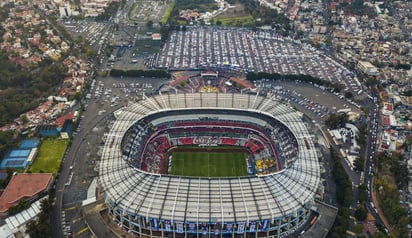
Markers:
146,202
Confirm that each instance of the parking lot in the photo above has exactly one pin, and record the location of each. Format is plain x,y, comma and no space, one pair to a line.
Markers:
145,10
315,100
247,50
94,33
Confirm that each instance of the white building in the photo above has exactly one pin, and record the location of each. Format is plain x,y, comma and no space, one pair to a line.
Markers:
65,11
367,68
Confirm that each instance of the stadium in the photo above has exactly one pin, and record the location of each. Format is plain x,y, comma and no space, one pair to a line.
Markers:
209,165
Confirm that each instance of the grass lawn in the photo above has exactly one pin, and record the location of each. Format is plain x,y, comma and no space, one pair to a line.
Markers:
166,16
209,164
237,16
246,20
49,157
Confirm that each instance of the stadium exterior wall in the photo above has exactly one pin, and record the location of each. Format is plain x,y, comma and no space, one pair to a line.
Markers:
145,227
274,205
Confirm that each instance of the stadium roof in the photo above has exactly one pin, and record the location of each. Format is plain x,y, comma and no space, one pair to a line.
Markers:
242,199
23,186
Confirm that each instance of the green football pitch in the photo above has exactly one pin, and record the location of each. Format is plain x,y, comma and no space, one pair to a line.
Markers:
209,164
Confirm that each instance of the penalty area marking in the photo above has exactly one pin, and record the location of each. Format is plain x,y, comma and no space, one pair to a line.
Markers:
237,171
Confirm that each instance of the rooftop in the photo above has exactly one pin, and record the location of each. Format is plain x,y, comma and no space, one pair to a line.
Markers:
23,186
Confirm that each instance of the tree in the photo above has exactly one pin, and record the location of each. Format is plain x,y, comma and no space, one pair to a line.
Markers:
408,93
398,169
409,139
362,193
110,10
335,234
5,182
46,205
343,196
366,110
335,121
40,227
359,161
37,228
90,53
348,95
361,213
390,179
25,89
362,135
149,23
22,205
358,229
24,119
7,140
379,235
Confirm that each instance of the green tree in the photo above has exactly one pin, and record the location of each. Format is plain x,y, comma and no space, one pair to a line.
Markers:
24,119
104,73
359,163
389,178
36,228
110,10
348,95
362,136
361,213
358,229
46,206
343,196
8,139
5,182
362,193
40,227
366,110
22,205
335,121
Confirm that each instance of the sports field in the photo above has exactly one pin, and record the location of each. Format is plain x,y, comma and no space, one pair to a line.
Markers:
50,156
209,164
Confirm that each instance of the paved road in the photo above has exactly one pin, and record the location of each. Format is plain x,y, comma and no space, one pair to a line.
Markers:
374,128
82,154
72,158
